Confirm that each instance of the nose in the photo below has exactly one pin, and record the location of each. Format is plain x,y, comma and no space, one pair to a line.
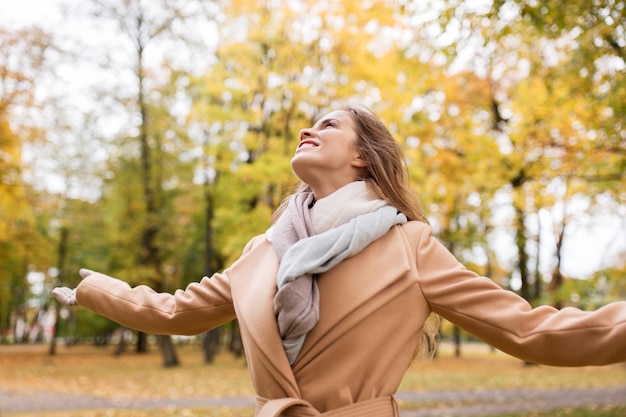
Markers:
305,133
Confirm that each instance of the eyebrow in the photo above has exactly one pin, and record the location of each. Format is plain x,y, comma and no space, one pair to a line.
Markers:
326,121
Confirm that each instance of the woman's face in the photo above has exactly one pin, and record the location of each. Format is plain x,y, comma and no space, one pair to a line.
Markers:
326,157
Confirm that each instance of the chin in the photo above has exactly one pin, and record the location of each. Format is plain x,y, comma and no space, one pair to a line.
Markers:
300,167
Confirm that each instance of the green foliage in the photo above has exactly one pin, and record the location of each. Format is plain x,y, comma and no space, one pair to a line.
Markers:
22,244
612,281
86,324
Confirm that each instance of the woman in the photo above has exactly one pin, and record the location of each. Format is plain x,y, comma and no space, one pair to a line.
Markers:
334,299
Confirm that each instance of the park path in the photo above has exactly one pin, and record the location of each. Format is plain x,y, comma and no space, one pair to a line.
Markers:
422,404
493,402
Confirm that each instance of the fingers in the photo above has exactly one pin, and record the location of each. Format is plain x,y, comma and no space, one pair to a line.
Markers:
84,272
60,292
65,296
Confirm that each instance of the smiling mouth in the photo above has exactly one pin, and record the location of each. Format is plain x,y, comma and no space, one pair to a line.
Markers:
307,144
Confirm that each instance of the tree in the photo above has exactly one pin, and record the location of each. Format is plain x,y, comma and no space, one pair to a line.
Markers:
143,26
538,64
585,89
23,55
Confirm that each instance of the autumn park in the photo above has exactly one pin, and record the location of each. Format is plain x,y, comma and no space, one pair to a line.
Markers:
151,140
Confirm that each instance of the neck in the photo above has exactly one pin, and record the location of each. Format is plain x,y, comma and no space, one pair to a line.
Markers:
324,189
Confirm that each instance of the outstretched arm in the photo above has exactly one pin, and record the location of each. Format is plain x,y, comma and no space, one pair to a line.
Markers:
198,308
567,337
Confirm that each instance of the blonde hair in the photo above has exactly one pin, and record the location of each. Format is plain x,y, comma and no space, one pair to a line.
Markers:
386,168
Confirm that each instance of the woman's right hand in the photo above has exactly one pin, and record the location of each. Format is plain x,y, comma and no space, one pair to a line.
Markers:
67,296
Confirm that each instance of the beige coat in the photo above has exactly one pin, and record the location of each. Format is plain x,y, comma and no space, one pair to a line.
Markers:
372,310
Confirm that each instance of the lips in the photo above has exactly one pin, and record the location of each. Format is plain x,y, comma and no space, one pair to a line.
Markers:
307,143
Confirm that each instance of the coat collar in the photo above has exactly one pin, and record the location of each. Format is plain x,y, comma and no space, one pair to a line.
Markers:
253,283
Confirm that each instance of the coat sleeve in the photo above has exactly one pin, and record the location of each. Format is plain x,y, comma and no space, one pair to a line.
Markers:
199,307
566,337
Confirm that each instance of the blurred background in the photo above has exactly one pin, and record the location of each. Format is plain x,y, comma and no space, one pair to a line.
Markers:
151,140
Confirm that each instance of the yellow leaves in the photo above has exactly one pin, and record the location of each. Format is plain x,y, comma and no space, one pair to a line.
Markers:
16,217
96,371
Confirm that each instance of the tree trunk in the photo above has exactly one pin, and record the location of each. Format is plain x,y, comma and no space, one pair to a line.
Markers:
210,344
121,345
555,284
52,347
211,338
522,256
61,257
151,253
538,281
456,336
557,276
520,242
236,344
170,358
141,346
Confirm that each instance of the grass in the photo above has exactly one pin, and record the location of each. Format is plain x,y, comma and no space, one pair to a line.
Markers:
479,367
95,371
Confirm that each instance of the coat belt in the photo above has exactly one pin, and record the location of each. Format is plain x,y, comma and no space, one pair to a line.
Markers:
294,407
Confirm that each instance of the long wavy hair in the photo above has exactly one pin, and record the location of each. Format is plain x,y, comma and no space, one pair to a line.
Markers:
387,174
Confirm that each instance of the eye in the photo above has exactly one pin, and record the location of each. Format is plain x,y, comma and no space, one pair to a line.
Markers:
330,124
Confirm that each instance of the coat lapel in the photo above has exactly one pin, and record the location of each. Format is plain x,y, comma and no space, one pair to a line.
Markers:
253,283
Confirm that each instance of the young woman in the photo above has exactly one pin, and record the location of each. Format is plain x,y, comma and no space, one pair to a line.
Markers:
333,300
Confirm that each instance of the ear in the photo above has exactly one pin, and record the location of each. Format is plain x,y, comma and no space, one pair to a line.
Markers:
359,162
